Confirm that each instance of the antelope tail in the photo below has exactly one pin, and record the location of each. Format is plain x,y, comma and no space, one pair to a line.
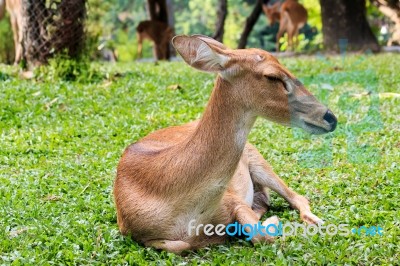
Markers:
2,8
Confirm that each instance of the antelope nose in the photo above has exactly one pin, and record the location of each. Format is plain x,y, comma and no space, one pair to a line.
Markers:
331,119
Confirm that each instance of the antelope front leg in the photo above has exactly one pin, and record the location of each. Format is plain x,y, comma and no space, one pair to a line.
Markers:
139,47
244,215
19,49
262,174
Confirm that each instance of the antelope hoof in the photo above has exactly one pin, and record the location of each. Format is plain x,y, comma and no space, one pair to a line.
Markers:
268,238
310,218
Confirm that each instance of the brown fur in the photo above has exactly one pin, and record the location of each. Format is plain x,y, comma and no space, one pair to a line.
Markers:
14,8
157,32
205,170
291,15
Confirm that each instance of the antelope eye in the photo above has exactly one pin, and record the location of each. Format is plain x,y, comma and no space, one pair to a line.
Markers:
276,79
273,79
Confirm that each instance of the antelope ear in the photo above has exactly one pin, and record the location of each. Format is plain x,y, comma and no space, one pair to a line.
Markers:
198,54
210,41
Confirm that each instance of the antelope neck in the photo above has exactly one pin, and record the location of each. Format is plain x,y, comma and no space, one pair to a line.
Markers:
220,137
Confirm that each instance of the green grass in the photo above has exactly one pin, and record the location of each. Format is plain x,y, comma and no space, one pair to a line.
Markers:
60,143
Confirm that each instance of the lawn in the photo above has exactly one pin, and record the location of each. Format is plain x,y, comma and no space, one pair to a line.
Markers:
60,143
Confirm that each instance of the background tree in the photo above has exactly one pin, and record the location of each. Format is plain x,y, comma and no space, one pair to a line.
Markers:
250,22
222,13
52,28
343,19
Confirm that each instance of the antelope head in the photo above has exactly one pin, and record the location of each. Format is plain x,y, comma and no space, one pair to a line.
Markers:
272,12
258,83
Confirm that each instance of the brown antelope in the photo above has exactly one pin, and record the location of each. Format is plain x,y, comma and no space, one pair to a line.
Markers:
14,8
205,170
159,33
291,15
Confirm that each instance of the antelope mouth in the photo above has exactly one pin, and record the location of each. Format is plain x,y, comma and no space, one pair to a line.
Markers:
328,124
314,129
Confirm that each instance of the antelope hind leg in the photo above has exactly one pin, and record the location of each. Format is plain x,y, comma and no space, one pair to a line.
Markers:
260,203
283,23
174,246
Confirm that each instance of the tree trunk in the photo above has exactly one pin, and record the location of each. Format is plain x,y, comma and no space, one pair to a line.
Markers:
36,48
171,24
222,12
51,29
71,28
346,20
250,22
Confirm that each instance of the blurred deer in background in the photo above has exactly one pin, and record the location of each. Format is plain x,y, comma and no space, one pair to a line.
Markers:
157,32
14,8
205,172
291,16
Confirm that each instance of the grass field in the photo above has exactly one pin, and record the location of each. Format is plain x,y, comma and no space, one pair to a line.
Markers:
60,143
